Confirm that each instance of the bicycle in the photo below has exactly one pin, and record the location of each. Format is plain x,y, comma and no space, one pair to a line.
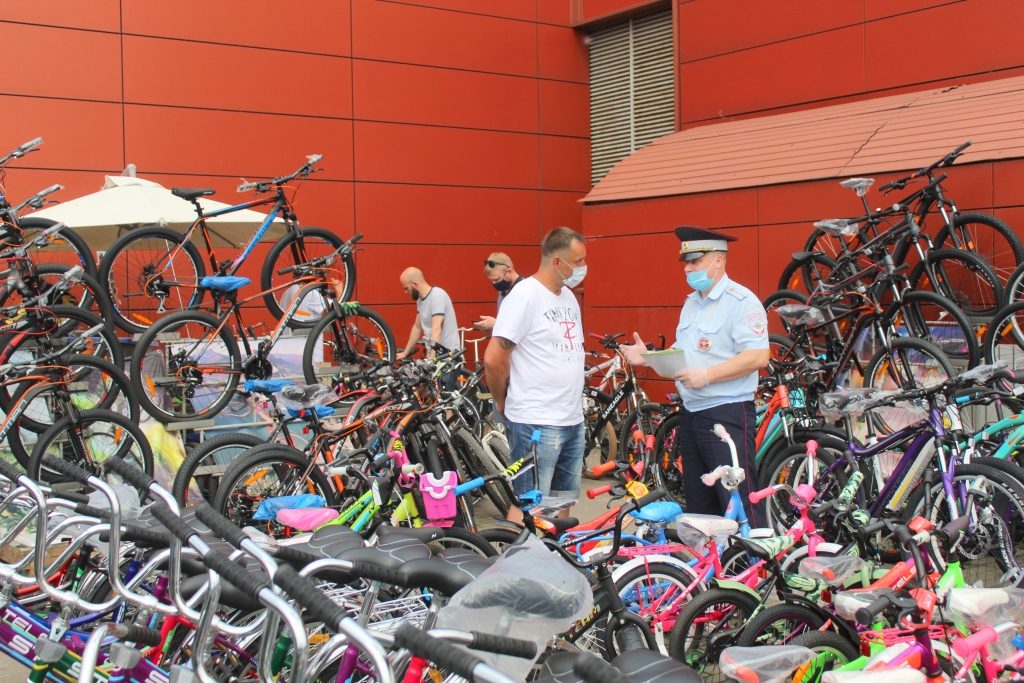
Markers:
154,271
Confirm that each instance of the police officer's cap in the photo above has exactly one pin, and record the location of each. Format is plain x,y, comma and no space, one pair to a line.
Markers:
698,241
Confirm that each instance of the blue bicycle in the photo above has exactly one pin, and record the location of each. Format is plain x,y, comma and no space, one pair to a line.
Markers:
154,270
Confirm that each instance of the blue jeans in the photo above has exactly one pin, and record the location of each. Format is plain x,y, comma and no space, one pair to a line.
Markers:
559,459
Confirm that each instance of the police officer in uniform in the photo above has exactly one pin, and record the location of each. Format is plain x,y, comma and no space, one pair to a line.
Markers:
723,329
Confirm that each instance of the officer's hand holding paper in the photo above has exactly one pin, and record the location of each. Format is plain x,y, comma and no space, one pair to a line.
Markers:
667,363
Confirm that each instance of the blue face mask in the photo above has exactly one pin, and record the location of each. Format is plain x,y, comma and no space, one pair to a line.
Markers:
699,280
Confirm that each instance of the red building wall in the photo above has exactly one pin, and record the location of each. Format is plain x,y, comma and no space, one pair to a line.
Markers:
449,128
763,58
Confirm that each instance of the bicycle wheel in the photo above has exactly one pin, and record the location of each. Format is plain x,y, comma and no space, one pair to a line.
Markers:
600,440
987,237
187,368
478,464
60,328
771,303
68,248
88,440
832,649
906,364
268,471
992,552
82,294
351,336
150,273
297,248
806,276
89,382
668,465
709,623
930,316
645,420
199,475
654,592
1013,291
779,624
792,466
1004,338
961,277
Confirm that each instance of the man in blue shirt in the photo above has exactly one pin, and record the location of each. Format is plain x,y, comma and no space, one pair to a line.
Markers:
723,329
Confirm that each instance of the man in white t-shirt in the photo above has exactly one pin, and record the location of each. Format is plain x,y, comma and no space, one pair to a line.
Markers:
435,315
534,366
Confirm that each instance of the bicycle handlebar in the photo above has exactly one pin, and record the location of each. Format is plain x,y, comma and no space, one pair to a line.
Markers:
21,151
265,185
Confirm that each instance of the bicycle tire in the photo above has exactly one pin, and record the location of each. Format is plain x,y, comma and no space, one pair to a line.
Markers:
499,539
643,585
293,249
68,324
602,439
1001,249
645,420
180,375
764,627
456,538
207,452
332,340
249,480
478,464
1004,338
54,252
841,650
807,275
700,620
789,466
933,317
1006,500
1013,291
668,468
135,262
87,391
124,440
961,277
908,363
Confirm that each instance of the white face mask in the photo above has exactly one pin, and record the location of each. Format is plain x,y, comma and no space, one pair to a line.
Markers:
575,278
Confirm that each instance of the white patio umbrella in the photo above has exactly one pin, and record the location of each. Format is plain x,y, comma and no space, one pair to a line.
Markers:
126,202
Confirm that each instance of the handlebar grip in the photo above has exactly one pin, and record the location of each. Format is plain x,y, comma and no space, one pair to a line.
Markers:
314,158
172,522
598,491
812,448
535,438
219,524
471,485
28,146
720,432
373,572
309,595
440,652
152,538
137,634
90,511
56,187
68,469
9,470
300,558
595,670
757,496
503,645
653,496
952,529
965,646
236,574
866,615
355,238
129,472
604,468
650,441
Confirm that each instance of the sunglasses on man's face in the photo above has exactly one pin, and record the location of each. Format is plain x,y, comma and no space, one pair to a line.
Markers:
495,264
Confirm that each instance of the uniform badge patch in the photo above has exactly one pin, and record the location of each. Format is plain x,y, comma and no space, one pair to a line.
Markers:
757,323
704,344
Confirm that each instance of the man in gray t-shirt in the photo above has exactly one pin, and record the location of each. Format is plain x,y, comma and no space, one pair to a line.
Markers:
435,315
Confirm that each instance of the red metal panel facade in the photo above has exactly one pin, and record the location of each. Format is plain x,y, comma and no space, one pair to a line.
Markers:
450,128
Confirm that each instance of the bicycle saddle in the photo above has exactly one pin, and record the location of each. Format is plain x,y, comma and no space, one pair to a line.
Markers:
637,666
559,524
191,194
764,548
832,570
265,386
695,529
858,185
802,256
331,541
801,314
840,227
303,396
527,596
390,553
447,573
660,512
771,663
224,283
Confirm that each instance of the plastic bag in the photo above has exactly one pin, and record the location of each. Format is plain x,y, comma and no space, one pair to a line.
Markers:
269,508
770,664
529,593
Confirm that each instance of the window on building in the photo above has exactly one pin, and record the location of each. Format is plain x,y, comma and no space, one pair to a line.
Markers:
632,89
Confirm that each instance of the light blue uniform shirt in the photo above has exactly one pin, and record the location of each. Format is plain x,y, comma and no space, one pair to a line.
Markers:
714,329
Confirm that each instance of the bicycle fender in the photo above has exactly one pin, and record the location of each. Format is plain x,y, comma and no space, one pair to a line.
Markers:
640,561
737,586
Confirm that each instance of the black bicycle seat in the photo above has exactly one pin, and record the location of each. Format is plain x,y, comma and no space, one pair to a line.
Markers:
446,574
191,194
802,256
637,666
306,396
